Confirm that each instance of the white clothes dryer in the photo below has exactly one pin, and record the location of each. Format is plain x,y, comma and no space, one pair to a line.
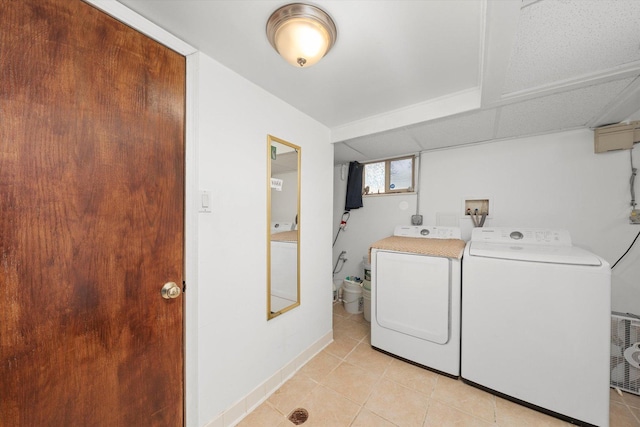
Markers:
415,296
536,321
284,268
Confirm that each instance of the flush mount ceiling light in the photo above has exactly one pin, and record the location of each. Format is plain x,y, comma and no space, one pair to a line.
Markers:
302,34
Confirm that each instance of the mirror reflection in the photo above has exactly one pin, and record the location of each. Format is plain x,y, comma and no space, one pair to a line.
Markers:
283,214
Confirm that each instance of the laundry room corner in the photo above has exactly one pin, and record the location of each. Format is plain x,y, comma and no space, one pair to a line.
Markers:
374,221
547,181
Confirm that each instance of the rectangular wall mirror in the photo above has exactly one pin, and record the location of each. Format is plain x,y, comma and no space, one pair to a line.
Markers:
283,219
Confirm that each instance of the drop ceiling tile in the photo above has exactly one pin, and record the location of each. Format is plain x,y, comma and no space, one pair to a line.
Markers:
343,154
560,40
559,111
457,130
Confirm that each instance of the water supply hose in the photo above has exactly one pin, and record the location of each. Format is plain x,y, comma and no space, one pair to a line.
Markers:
343,225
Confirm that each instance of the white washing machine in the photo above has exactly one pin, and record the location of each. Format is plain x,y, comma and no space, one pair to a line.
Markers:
536,321
415,296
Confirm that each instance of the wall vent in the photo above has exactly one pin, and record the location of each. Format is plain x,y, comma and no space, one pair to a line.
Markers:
620,136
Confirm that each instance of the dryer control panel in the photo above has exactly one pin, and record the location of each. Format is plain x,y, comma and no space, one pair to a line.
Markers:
427,232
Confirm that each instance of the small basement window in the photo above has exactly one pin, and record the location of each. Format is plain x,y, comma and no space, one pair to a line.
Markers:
389,176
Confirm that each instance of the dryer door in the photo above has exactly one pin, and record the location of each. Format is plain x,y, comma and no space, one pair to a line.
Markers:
413,295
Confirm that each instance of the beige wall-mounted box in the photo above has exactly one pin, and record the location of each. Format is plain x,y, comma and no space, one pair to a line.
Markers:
616,137
479,206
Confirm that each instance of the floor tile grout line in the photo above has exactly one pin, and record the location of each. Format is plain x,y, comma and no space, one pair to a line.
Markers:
464,411
633,414
363,340
350,351
346,361
383,376
430,397
362,407
630,408
313,380
626,393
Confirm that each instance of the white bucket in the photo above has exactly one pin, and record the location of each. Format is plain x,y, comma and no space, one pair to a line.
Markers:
337,290
366,297
366,267
352,296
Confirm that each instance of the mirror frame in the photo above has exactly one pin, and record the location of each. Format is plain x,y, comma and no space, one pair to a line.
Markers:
271,139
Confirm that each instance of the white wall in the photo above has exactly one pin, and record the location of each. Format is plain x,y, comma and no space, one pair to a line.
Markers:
285,202
374,221
552,180
238,349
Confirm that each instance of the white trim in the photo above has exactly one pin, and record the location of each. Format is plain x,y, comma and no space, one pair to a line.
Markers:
243,407
444,106
500,29
191,243
617,73
129,17
620,108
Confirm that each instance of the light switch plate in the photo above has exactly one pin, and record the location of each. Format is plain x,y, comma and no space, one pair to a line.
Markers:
205,201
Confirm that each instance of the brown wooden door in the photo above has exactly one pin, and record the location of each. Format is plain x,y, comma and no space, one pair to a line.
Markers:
91,220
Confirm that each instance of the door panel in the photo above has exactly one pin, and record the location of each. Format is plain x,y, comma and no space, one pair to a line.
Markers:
413,295
91,220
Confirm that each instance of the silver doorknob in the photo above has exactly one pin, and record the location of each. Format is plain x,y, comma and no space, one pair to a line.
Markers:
170,290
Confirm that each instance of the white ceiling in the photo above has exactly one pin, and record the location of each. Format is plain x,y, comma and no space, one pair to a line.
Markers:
414,75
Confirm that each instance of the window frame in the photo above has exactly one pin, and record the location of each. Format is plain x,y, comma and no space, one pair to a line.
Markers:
387,176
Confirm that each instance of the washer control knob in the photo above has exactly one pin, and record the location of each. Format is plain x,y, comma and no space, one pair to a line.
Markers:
516,235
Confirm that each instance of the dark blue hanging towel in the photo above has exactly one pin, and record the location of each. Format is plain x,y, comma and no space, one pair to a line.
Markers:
354,187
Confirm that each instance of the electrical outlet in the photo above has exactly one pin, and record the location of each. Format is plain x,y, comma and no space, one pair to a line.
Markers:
634,218
416,219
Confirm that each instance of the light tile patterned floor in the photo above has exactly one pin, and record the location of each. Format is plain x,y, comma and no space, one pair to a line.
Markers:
350,384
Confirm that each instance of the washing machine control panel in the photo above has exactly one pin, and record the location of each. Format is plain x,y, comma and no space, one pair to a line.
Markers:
530,236
427,232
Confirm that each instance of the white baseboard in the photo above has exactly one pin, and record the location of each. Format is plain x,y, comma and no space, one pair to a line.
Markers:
236,412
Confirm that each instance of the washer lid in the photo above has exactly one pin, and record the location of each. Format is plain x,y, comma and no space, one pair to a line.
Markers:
557,254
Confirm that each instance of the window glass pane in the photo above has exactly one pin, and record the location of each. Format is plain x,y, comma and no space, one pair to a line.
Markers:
400,174
374,177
